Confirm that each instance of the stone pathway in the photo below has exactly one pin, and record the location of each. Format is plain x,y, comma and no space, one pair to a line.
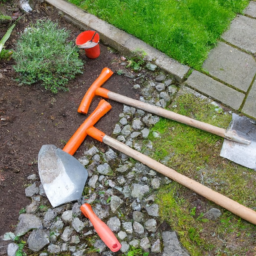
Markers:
231,66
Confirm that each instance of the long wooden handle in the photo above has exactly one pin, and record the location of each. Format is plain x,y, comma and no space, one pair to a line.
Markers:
227,203
167,114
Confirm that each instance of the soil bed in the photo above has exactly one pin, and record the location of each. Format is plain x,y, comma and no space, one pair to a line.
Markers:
31,117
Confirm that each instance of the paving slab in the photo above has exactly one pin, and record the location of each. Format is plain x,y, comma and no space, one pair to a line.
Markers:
119,39
250,103
251,9
231,66
215,89
242,33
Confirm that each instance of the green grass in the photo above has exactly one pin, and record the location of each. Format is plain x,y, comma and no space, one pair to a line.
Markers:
195,153
185,30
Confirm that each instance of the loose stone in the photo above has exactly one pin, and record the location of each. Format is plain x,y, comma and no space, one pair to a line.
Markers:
136,86
96,158
66,234
145,133
165,96
138,216
33,207
121,180
79,253
172,89
145,243
213,214
123,168
139,191
32,177
122,235
75,240
135,135
135,243
49,216
151,67
99,244
105,169
31,190
27,222
123,121
127,226
150,225
117,129
53,248
93,180
155,183
91,152
84,161
78,225
37,240
126,191
125,247
160,78
121,138
67,216
57,226
168,82
160,87
126,130
12,249
115,203
111,154
114,224
150,120
153,210
138,228
136,206
64,247
156,246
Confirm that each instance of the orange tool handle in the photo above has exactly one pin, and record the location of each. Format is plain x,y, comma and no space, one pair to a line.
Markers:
76,140
105,74
104,232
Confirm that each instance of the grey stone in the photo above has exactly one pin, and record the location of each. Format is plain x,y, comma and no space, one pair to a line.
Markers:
99,244
117,129
215,89
75,240
76,212
32,177
31,190
165,96
41,190
107,253
121,138
137,146
121,180
57,226
160,78
125,247
152,210
150,120
105,169
140,112
96,158
64,247
135,135
126,191
135,243
212,214
251,9
137,124
145,243
167,180
127,226
66,234
93,180
151,67
9,236
53,248
138,228
242,33
78,225
123,121
172,245
115,203
79,253
136,206
147,91
168,82
150,225
155,183
231,66
136,86
172,89
114,224
156,246
160,87
84,160
43,254
49,216
162,103
122,235
126,130
129,142
151,198
111,154
249,107
12,249
156,134
139,190
92,151
37,240
67,216
111,183
72,249
101,211
145,132
33,207
123,168
92,198
26,223
152,173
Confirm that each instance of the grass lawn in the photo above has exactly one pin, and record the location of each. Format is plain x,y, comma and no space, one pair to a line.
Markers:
183,29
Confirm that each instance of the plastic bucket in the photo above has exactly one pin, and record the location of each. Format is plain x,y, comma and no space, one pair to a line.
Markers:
86,36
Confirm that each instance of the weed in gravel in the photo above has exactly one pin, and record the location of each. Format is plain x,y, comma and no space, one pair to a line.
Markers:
44,55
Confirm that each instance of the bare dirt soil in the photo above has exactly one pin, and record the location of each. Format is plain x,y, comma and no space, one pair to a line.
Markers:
31,117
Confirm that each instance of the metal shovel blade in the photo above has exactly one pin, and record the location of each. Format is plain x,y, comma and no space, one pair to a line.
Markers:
244,155
63,177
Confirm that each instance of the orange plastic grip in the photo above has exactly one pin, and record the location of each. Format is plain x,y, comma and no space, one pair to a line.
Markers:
105,74
104,232
96,134
81,133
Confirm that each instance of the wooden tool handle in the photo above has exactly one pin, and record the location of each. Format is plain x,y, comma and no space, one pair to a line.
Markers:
167,114
227,203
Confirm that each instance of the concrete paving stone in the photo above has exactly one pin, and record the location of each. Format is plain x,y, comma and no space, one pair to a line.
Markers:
251,9
231,66
119,39
215,89
242,33
250,103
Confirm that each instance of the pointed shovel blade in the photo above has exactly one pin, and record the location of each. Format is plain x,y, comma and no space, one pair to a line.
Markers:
63,177
242,154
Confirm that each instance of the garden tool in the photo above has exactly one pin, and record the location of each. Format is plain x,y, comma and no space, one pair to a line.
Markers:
241,139
63,177
227,203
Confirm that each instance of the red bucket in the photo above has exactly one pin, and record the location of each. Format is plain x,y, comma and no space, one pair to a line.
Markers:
86,36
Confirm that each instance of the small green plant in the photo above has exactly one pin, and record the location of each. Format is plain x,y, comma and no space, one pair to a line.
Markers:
136,252
23,210
43,208
44,55
136,61
21,245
